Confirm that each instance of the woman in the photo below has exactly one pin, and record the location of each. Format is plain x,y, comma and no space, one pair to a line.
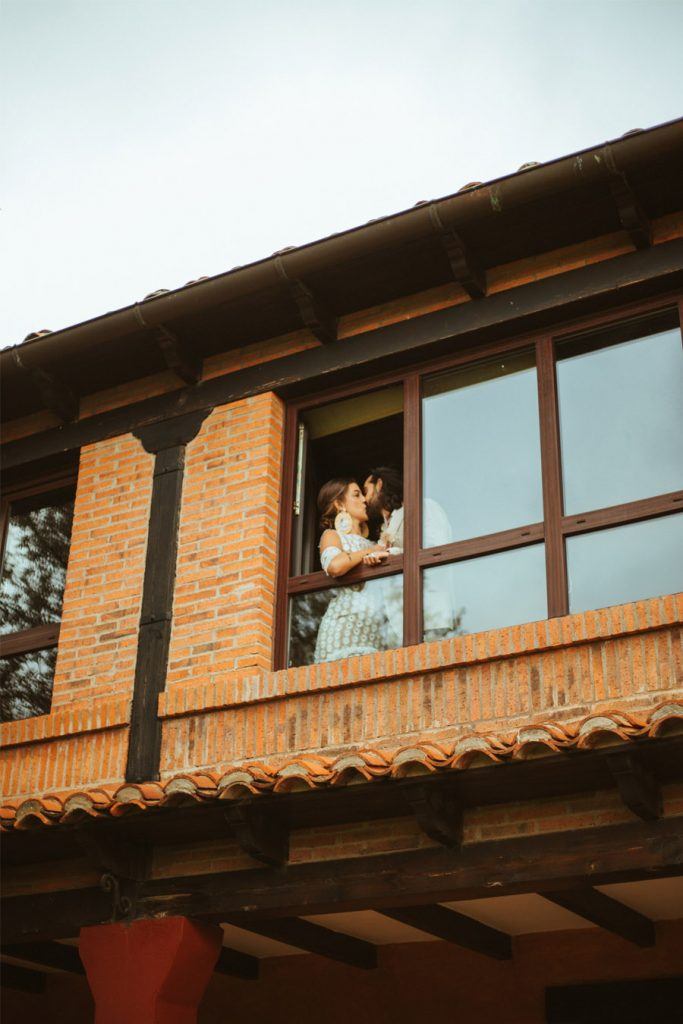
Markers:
353,623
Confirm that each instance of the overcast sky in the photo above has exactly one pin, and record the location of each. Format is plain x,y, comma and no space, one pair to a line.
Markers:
148,142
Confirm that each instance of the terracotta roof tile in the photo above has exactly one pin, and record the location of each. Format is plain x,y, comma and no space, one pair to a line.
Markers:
318,771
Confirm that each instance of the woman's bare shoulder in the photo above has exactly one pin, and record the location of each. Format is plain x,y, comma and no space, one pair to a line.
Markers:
330,538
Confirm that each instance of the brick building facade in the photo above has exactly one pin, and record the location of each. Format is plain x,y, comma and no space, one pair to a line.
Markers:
480,813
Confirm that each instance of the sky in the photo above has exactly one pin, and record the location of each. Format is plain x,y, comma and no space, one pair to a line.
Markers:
148,142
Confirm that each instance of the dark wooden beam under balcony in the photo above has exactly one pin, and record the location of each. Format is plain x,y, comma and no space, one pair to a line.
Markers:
452,926
312,937
606,912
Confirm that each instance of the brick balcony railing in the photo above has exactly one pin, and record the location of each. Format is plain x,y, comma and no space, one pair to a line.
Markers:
578,681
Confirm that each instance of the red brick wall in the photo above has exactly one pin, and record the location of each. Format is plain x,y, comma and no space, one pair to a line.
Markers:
101,613
227,547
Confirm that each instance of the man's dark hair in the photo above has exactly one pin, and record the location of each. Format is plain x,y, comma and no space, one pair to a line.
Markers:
391,494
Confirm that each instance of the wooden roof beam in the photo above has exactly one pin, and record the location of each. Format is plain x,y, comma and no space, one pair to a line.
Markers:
465,267
461,930
607,913
55,394
314,938
313,311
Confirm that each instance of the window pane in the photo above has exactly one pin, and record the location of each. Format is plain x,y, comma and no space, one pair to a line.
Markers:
625,563
34,563
26,684
358,619
504,589
621,419
481,450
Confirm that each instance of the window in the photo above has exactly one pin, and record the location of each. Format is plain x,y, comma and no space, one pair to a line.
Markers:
538,477
36,531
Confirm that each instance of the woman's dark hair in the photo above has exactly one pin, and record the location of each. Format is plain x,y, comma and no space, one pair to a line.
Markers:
391,494
330,493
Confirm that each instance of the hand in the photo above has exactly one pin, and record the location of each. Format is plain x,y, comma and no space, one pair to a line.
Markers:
374,557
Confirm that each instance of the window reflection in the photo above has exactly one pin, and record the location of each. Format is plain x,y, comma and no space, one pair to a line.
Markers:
34,562
361,618
625,563
621,418
481,450
504,589
26,684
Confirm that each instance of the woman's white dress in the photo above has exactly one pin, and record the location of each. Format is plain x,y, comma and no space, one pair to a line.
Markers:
354,621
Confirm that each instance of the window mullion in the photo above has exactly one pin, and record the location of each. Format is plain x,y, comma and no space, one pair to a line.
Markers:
555,557
412,536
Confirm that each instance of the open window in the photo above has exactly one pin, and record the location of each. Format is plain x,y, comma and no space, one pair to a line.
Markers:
346,439
36,534
539,477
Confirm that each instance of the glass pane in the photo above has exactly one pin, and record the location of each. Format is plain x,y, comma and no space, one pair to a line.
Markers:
26,684
34,563
481,450
504,589
358,619
621,419
625,563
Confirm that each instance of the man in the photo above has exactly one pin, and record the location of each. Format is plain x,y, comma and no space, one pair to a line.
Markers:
383,490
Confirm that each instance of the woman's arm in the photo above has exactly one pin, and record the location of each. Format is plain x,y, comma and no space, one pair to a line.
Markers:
338,562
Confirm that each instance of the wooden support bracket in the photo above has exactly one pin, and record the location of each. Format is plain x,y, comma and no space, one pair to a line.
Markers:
178,355
465,267
315,315
56,395
638,787
631,215
260,831
438,811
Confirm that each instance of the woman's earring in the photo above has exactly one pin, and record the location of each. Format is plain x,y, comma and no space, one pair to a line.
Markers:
343,523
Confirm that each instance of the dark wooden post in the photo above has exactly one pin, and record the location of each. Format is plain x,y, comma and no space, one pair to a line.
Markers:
167,441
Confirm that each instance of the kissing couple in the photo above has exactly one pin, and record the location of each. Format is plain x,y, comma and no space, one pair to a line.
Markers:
362,619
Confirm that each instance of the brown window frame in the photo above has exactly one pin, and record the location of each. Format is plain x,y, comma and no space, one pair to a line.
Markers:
552,530
46,635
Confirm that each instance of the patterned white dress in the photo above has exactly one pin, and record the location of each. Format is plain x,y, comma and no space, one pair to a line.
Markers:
354,621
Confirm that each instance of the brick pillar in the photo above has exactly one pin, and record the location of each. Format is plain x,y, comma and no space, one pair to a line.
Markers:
149,972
